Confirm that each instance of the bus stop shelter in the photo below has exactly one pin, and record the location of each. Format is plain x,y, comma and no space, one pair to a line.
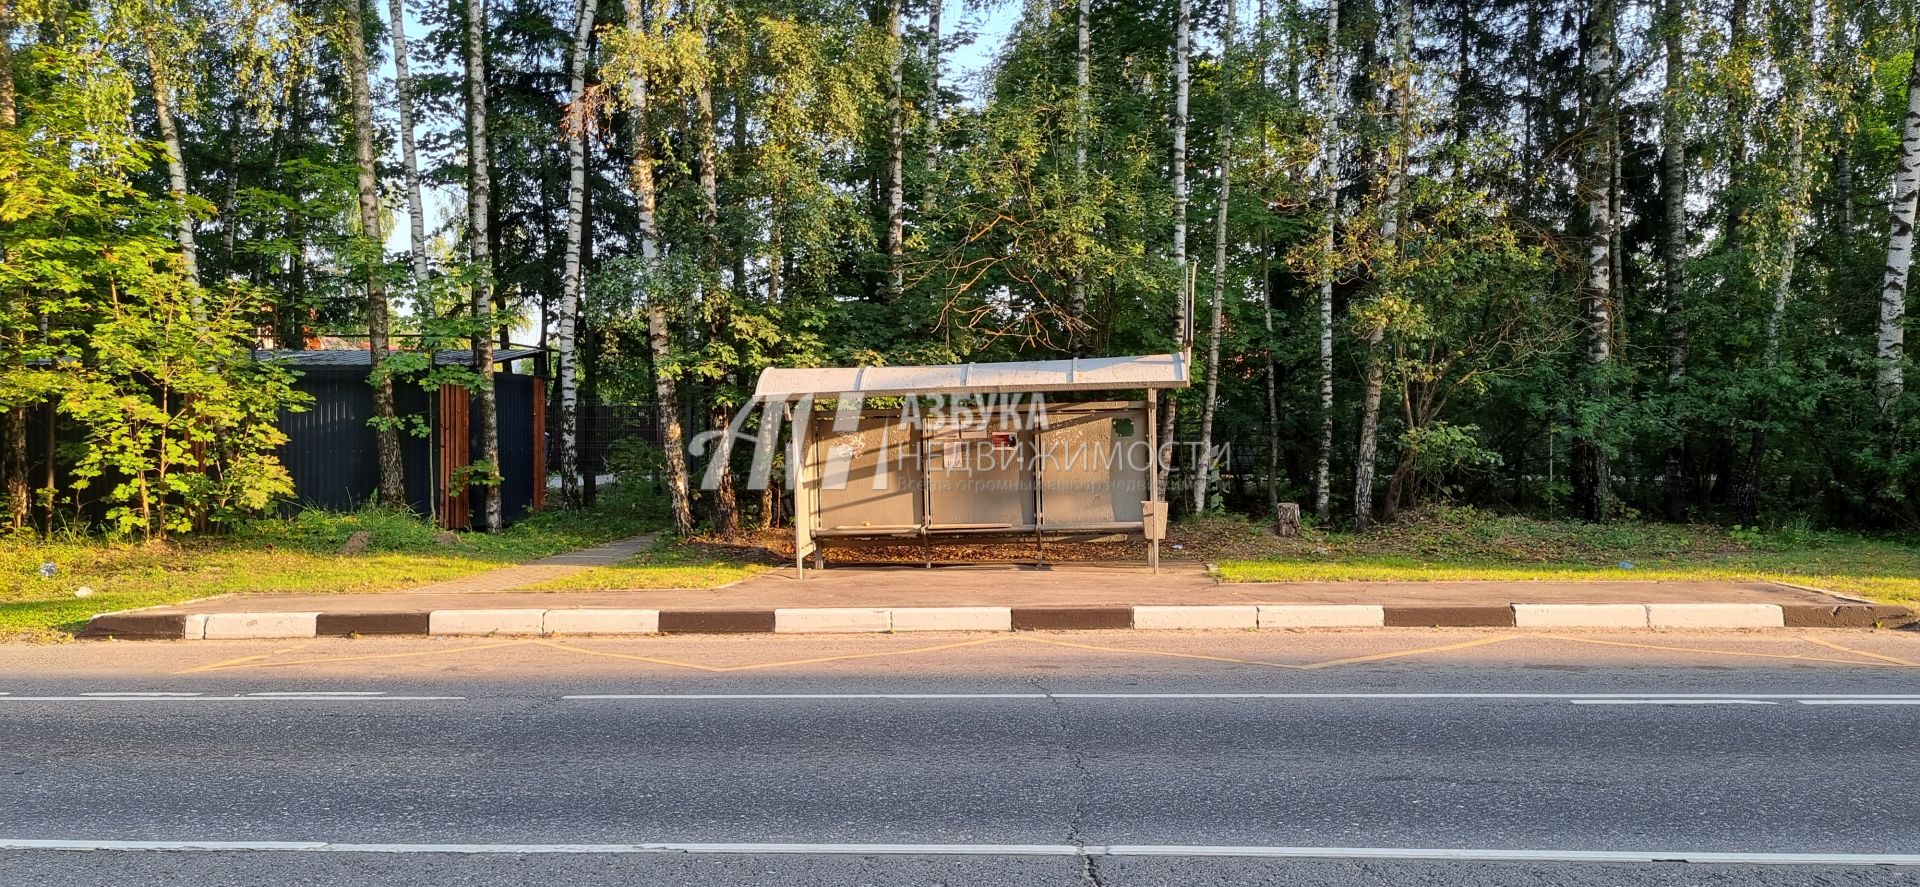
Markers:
924,455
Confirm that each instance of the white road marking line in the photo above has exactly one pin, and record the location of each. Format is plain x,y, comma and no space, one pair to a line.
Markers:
713,696
1862,701
1168,850
137,693
229,698
1673,702
322,693
1583,698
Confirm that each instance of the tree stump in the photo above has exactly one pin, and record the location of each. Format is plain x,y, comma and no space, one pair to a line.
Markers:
1287,522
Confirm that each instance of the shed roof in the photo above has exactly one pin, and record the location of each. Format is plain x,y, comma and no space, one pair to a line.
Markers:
350,358
1073,374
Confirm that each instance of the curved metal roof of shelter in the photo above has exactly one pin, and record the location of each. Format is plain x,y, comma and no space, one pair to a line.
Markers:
1072,374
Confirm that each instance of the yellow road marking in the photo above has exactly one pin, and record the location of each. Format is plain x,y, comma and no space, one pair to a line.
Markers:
1791,656
1372,657
1831,645
257,661
235,664
225,663
1200,656
758,665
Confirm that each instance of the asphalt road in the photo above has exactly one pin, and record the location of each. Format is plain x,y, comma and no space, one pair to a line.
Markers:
1724,745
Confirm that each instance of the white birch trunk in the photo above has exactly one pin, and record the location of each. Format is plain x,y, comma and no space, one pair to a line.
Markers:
1203,469
163,99
409,155
896,147
565,326
1673,186
1083,99
1182,335
1597,293
1891,381
386,433
1330,193
934,51
479,250
659,329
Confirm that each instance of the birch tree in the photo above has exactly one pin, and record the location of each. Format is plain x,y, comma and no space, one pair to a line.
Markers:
1082,124
1592,465
372,249
1330,80
1890,380
578,124
159,42
1182,334
935,56
653,295
13,450
1203,466
480,254
1673,248
1399,92
409,155
896,149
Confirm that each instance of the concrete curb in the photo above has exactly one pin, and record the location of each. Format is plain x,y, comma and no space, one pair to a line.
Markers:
147,625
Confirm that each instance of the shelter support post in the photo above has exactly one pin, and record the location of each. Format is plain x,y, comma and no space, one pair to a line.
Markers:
1152,515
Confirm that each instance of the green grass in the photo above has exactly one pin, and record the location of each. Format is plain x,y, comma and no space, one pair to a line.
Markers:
297,554
1453,544
668,565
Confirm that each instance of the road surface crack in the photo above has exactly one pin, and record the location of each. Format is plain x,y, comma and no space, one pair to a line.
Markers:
1089,868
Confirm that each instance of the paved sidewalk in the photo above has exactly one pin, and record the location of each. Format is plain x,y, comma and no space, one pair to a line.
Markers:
992,598
523,575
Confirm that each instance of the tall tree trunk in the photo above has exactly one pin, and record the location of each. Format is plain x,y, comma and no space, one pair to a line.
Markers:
579,116
386,426
1266,291
896,148
9,116
1890,380
934,50
229,202
163,99
1330,195
1740,108
409,158
720,468
1203,470
13,453
1794,101
1593,468
1082,122
1182,335
659,330
480,249
1400,91
1673,252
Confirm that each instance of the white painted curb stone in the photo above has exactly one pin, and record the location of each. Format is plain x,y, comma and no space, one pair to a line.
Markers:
1322,616
486,622
1580,615
233,626
953,619
1715,616
831,619
590,621
1196,617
